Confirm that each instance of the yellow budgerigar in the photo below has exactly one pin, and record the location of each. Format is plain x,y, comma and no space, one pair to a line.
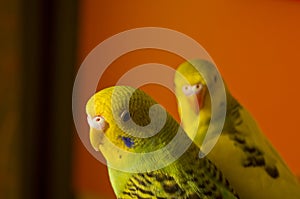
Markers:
242,152
147,152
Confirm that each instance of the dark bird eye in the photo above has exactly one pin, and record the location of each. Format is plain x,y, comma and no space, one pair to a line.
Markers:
125,116
128,142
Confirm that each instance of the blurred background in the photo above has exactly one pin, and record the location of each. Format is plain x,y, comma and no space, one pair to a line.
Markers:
255,45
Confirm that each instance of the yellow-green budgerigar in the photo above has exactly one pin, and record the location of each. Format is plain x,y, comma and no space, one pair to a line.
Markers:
138,138
242,152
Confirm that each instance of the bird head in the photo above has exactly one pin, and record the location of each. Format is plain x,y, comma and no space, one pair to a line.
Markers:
195,82
122,118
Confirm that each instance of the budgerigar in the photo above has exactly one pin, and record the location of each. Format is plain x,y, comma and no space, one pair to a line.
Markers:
242,152
127,125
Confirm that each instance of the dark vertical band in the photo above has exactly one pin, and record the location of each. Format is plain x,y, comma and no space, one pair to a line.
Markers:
49,49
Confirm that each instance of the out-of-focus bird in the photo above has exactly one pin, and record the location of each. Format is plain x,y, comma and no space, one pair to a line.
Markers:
242,152
147,152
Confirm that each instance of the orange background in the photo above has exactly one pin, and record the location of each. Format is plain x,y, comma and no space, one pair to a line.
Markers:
255,45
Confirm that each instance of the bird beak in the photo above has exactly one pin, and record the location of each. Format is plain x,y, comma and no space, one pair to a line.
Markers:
96,138
196,101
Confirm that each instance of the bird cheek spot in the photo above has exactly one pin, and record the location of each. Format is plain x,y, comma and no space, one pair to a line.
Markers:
215,78
125,116
201,154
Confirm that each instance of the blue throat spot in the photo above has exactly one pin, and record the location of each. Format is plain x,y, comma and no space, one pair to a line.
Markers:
128,142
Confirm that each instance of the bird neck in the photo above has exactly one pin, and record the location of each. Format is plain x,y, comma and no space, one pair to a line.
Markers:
160,139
